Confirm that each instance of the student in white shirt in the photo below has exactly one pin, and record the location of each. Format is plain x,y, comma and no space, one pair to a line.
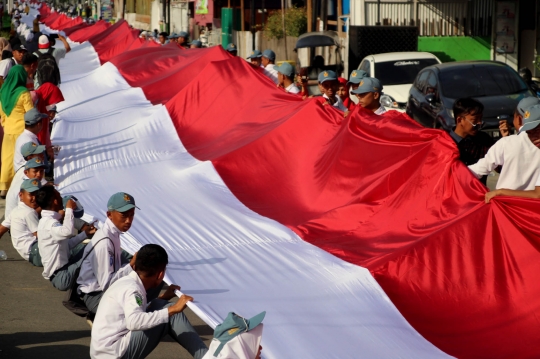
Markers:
33,169
267,60
256,58
328,85
517,154
129,325
33,123
23,222
286,78
369,95
61,251
107,262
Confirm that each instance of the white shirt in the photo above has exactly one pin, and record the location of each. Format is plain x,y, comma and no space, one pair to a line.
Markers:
122,309
102,267
338,103
520,159
58,54
6,65
56,240
380,110
24,138
23,223
292,88
271,72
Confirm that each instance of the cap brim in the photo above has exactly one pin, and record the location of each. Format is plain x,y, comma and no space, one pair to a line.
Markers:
328,79
529,126
354,81
125,208
256,320
39,149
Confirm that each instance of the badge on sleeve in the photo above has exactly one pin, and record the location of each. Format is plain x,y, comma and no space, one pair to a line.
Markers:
138,299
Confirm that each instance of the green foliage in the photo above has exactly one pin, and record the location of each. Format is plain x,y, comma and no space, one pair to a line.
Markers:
295,23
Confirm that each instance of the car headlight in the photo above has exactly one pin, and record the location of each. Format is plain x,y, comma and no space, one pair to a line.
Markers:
388,101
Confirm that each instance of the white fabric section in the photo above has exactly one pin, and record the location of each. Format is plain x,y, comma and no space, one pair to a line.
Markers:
221,253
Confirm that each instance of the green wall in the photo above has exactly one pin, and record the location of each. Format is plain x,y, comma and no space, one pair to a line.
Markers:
457,48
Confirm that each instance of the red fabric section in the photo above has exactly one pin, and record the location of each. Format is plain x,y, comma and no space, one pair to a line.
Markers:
48,94
113,41
85,33
72,29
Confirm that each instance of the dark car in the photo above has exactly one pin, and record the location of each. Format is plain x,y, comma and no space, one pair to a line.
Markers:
496,85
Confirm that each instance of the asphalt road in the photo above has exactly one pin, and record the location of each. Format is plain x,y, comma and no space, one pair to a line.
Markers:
35,324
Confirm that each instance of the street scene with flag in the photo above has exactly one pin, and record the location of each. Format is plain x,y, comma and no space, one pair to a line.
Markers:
308,179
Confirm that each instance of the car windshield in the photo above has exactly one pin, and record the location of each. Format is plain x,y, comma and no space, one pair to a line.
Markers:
480,81
400,72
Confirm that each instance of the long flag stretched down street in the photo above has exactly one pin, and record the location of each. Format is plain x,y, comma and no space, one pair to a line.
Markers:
362,237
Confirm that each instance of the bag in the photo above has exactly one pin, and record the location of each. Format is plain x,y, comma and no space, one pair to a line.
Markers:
72,300
47,70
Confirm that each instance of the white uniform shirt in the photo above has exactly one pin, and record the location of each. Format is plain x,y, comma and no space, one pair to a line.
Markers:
6,65
23,223
56,240
520,159
25,137
338,104
271,72
122,309
58,54
380,110
102,267
292,88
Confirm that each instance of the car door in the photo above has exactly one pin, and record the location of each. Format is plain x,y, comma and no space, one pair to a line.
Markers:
416,95
431,104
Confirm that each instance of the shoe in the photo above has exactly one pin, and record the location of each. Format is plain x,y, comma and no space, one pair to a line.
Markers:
3,194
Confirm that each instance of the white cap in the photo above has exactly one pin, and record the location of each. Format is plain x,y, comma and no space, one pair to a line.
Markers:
43,42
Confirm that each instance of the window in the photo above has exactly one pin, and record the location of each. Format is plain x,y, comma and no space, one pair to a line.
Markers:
480,81
365,65
431,85
401,72
421,81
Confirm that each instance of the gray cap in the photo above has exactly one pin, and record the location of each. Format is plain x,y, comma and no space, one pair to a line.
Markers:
269,54
368,84
31,148
327,75
531,118
357,76
525,103
255,54
33,116
31,185
285,69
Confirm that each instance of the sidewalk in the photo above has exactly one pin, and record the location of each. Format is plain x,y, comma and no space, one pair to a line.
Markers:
35,324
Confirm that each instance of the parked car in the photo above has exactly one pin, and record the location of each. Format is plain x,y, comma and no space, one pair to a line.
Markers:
397,71
496,85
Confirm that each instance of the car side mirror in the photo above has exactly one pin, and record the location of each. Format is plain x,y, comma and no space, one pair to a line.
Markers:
430,98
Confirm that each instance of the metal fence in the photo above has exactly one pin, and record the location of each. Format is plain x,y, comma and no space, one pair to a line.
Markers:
433,17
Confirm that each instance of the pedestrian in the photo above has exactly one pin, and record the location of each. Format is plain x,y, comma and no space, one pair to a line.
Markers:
232,49
44,47
504,128
195,44
255,58
343,93
61,251
33,169
268,59
163,38
237,337
143,35
6,65
518,155
15,101
328,86
182,40
23,222
33,123
472,143
173,37
48,95
368,93
128,324
30,64
286,78
355,78
107,261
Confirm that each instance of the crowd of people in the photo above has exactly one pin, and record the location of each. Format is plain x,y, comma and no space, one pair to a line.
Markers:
121,294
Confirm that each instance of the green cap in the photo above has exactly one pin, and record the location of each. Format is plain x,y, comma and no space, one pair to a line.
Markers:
233,326
121,202
34,163
31,148
31,185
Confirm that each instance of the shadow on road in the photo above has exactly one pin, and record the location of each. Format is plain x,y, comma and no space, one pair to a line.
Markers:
40,345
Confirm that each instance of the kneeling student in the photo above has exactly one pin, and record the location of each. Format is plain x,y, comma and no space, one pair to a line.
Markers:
23,222
61,252
128,326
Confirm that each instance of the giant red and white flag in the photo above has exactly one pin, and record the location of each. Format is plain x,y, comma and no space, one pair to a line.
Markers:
362,237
